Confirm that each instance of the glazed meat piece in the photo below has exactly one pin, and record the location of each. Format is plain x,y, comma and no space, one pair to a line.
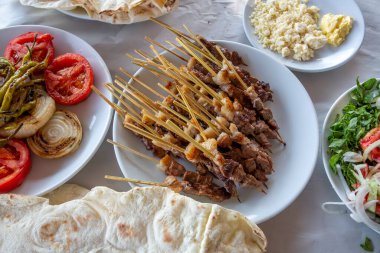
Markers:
171,166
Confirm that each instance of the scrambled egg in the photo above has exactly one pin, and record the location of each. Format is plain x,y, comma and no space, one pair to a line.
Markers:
336,28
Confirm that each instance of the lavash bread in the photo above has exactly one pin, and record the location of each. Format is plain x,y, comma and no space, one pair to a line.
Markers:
111,11
66,193
149,219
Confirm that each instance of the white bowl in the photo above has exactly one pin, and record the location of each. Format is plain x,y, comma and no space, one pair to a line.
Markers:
334,179
93,113
328,57
293,165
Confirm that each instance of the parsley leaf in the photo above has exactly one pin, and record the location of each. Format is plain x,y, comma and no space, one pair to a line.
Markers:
367,245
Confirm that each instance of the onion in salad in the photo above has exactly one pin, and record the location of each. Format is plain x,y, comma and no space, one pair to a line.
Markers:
61,136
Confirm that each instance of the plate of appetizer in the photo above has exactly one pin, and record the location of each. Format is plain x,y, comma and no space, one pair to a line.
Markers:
111,11
51,125
350,150
217,123
306,36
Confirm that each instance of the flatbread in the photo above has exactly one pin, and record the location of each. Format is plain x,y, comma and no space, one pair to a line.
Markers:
148,219
111,11
66,193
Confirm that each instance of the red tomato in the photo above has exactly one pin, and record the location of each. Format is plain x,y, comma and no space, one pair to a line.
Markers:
15,164
69,79
18,47
370,138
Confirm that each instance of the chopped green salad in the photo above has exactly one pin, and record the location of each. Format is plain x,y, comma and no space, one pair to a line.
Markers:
358,117
354,149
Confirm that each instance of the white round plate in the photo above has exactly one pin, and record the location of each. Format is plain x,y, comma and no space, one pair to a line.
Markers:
328,57
93,113
293,165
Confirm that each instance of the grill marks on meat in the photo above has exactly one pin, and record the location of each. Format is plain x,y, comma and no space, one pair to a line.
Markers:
196,184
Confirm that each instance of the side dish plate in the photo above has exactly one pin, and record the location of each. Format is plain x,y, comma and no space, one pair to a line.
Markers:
94,114
328,57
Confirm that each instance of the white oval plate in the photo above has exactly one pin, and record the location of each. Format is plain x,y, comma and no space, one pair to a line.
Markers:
293,165
335,181
328,57
93,113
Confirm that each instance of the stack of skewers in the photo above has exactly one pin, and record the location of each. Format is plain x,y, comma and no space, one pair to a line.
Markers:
209,111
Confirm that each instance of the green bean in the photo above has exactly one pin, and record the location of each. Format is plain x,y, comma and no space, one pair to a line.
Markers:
7,98
7,69
19,73
24,108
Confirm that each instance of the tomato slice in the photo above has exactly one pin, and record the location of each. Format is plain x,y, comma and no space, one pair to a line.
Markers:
18,47
69,79
15,164
370,138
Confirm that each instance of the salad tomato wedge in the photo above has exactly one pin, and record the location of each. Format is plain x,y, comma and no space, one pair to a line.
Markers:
69,79
368,139
43,48
15,163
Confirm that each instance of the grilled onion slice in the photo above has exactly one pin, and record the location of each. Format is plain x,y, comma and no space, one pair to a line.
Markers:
61,136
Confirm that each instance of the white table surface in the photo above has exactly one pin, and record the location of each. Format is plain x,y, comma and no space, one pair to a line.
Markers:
302,227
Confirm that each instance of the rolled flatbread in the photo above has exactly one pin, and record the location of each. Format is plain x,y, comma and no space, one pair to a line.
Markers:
111,11
148,219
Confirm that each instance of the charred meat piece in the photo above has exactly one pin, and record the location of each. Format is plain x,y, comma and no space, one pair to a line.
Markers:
196,184
171,166
157,151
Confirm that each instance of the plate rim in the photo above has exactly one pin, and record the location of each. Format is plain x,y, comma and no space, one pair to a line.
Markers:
248,33
316,138
109,109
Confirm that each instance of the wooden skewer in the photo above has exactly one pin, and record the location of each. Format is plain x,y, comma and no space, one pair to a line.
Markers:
152,137
182,134
200,83
199,50
146,55
231,67
211,117
149,103
131,99
155,72
181,80
177,47
165,48
121,100
197,125
204,64
118,109
141,83
195,38
136,181
173,112
170,28
149,158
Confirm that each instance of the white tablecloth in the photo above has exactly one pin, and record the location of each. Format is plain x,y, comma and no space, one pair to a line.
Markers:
302,227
